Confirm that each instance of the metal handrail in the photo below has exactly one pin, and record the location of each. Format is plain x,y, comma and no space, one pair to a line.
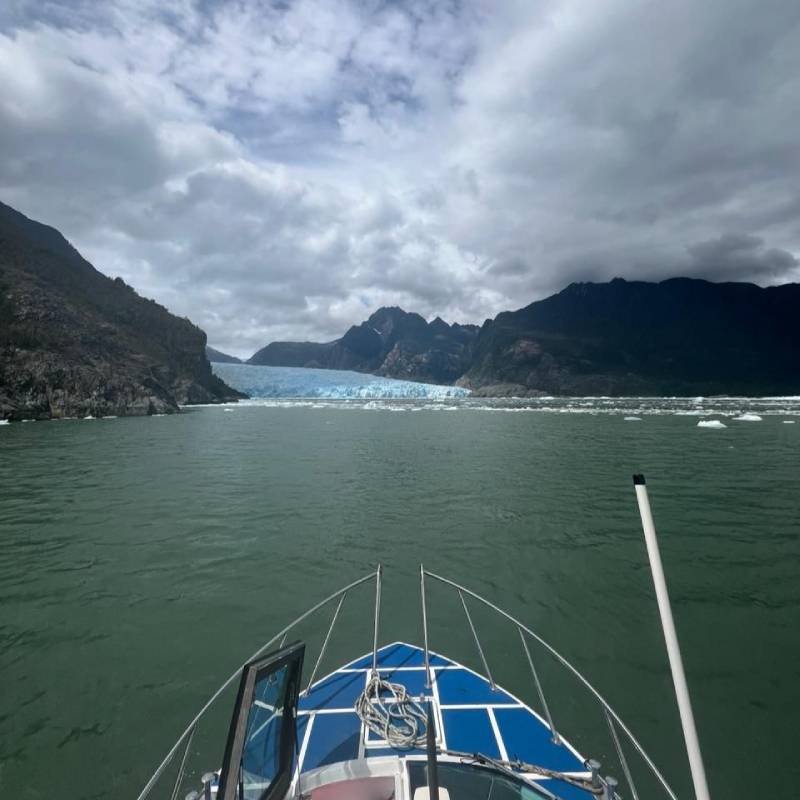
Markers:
555,737
179,777
378,576
325,644
477,642
611,714
425,625
564,662
621,755
282,633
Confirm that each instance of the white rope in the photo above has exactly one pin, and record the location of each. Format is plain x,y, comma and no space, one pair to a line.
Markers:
388,711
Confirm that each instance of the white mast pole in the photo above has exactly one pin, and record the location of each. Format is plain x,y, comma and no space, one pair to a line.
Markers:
671,639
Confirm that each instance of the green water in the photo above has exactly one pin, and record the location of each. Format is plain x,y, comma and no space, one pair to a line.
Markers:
142,559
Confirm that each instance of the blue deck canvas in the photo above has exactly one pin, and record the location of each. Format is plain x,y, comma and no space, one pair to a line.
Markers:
461,700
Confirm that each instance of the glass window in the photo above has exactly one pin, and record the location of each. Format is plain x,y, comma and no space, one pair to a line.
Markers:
261,755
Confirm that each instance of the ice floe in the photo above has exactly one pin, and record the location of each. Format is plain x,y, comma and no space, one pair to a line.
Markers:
711,423
749,418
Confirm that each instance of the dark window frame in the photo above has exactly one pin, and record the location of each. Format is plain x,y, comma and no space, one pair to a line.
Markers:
291,655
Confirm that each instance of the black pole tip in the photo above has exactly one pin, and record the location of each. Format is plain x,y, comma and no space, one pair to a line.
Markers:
638,479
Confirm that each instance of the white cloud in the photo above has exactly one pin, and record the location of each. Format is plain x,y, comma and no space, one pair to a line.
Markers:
280,170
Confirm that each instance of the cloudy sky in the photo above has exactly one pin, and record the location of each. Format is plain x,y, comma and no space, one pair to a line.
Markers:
279,170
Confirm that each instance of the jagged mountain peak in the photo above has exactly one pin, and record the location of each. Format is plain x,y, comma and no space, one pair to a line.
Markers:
392,342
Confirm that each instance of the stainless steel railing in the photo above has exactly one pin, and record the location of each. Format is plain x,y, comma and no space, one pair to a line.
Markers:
612,718
614,722
190,728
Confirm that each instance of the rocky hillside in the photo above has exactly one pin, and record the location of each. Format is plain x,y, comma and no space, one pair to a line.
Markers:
677,337
74,342
392,343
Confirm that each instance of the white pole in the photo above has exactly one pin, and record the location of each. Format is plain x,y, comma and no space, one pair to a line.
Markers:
671,639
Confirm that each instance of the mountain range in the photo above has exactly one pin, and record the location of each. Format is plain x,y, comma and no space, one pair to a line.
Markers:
681,336
392,343
219,357
75,343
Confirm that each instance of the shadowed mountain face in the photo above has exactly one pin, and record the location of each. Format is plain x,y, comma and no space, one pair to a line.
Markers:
392,343
677,337
219,357
74,342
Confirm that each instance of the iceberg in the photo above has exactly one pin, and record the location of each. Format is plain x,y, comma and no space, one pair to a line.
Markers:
711,423
330,384
5,422
749,418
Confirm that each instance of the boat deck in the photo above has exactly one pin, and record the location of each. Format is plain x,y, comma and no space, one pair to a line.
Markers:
471,717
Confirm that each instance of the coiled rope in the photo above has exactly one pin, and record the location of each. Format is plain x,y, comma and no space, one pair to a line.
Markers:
388,711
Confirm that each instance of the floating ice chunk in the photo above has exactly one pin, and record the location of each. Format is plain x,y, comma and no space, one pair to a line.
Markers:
5,421
711,423
788,422
88,416
748,418
632,419
229,410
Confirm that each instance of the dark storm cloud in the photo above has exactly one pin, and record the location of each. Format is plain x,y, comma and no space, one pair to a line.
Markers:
735,257
279,170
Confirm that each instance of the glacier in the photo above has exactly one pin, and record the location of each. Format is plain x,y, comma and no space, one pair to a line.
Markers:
279,387
329,384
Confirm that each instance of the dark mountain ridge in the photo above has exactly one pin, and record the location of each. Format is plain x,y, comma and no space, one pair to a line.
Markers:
392,342
682,336
219,357
74,342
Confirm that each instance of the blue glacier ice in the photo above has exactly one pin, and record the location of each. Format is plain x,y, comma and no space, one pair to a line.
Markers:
330,384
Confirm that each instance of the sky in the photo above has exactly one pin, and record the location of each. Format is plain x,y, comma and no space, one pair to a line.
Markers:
279,170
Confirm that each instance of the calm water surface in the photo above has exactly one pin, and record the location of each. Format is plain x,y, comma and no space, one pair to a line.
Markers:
142,559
